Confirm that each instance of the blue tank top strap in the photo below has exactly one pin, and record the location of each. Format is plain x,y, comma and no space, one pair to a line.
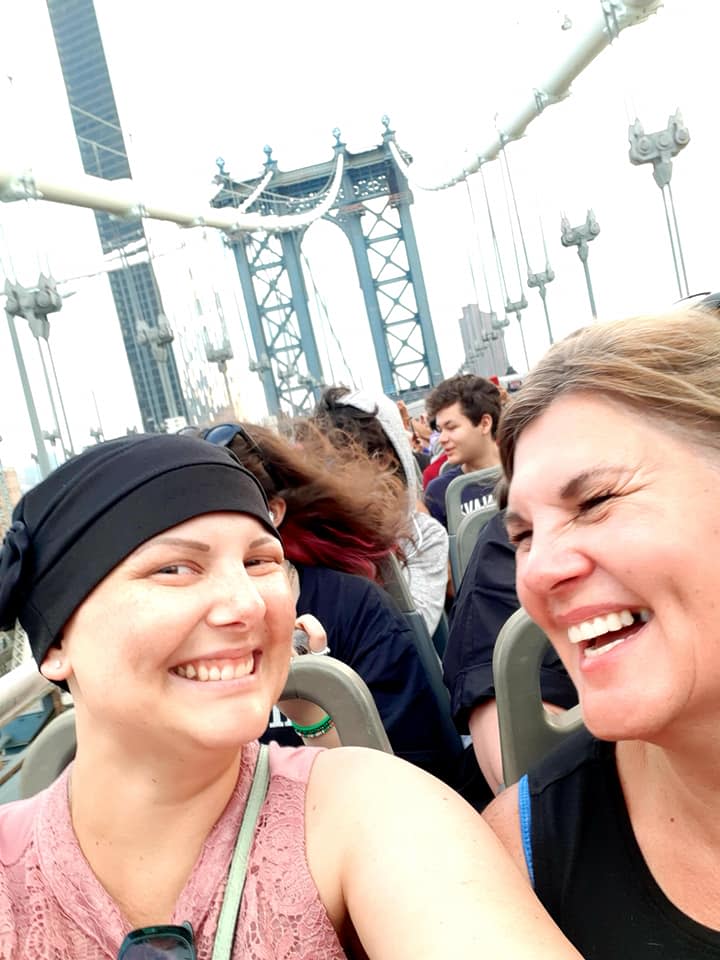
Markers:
525,824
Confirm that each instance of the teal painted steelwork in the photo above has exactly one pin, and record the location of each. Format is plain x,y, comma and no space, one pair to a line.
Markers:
373,210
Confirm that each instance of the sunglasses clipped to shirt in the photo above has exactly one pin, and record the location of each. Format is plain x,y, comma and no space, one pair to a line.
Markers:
159,943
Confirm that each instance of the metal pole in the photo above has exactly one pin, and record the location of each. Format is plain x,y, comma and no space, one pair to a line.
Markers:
60,398
583,252
50,394
42,457
543,294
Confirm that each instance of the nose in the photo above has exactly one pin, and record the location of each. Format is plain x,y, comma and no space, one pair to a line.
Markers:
553,562
235,601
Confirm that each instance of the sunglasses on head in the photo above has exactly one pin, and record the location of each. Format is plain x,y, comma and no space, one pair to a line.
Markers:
223,435
166,942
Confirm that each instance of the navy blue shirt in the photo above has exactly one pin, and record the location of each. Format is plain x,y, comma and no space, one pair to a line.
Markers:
473,496
486,599
368,632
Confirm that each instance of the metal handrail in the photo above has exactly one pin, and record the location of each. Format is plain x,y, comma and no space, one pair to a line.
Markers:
19,688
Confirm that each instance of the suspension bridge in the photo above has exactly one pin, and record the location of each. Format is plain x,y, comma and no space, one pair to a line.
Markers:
368,196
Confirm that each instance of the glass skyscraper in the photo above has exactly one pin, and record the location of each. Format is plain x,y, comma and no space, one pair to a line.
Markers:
102,148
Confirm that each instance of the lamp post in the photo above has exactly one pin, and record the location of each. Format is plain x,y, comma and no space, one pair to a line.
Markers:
220,355
580,237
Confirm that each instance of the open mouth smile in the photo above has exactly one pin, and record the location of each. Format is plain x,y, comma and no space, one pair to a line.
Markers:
600,635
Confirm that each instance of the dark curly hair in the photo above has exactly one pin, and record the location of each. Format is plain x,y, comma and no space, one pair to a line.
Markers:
476,396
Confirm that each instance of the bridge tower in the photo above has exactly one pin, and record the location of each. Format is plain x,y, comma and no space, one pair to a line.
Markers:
373,211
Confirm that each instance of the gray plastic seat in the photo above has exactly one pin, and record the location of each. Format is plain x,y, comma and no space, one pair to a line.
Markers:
527,730
48,755
467,534
453,509
396,586
332,685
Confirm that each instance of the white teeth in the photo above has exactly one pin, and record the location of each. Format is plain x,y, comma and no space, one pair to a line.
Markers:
208,672
243,668
598,626
599,651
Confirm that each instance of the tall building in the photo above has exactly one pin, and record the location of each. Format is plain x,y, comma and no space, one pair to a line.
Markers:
484,342
9,496
102,149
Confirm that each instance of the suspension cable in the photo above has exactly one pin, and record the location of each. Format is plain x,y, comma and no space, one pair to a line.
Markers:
512,226
326,313
517,211
679,242
496,249
479,249
672,241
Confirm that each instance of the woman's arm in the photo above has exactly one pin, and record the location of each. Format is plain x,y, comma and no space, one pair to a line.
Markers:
301,711
485,733
413,870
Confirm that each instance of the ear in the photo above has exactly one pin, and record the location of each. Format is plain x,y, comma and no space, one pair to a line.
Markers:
486,423
55,665
278,509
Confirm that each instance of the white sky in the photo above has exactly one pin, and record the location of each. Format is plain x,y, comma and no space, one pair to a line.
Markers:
225,79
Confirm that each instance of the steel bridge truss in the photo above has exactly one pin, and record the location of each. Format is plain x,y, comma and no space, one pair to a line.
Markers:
373,210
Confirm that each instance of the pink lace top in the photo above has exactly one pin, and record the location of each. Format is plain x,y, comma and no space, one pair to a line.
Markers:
52,906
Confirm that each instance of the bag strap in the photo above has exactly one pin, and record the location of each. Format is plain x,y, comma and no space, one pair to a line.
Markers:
225,934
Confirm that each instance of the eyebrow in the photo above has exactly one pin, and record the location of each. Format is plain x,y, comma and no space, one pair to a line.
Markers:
587,478
261,541
575,487
176,542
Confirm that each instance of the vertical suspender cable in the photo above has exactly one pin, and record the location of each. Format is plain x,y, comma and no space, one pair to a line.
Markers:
498,261
479,247
679,242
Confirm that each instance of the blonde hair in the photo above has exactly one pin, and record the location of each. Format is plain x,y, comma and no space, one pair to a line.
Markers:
666,368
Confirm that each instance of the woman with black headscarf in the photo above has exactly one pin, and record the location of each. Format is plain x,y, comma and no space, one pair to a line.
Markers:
149,578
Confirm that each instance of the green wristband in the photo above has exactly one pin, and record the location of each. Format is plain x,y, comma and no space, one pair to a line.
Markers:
315,729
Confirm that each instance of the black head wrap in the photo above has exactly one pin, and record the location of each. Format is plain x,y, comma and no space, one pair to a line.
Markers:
72,529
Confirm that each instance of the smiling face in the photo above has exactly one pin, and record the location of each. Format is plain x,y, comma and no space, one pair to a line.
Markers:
464,442
617,526
187,641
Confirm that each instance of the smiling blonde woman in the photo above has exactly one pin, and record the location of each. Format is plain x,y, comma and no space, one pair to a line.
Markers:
612,449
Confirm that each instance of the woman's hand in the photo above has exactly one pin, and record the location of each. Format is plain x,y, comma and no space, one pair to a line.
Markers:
302,712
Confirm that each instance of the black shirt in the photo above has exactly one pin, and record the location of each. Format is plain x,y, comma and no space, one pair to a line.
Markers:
368,632
486,599
590,874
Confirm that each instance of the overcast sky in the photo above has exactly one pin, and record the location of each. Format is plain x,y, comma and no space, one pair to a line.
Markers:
229,78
